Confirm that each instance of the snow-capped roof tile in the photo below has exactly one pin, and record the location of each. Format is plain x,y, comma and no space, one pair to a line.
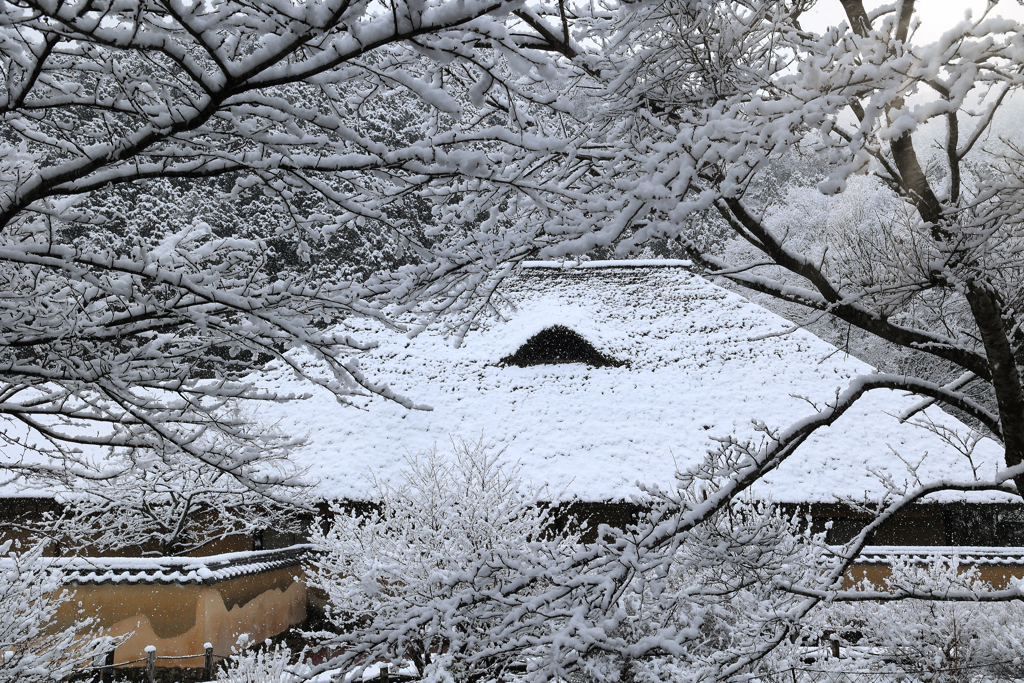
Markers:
177,570
883,554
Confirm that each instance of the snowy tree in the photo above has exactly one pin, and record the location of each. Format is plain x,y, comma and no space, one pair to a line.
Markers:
981,639
697,590
456,527
129,323
461,576
166,504
31,592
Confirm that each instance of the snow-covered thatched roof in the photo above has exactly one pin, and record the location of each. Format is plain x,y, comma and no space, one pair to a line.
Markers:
698,362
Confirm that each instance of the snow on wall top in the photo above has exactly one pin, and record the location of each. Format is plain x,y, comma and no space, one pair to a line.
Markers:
975,556
702,362
174,570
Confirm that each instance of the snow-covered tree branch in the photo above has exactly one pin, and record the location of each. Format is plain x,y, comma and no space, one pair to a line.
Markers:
119,331
31,591
166,504
697,105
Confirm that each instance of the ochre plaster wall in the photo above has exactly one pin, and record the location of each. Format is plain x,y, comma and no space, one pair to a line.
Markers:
180,619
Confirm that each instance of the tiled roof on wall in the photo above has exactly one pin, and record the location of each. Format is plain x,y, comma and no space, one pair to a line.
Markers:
178,570
882,554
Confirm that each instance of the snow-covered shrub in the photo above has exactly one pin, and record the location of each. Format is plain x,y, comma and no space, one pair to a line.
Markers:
267,664
915,635
714,599
31,592
456,526
456,575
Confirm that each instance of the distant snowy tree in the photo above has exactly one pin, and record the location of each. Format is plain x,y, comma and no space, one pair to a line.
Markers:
982,639
166,504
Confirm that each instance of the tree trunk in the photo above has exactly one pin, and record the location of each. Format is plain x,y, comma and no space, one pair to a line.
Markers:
988,314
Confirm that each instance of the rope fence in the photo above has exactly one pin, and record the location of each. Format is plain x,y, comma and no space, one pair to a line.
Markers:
108,666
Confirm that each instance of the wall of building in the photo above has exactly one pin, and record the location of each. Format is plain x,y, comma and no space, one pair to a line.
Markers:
998,575
179,619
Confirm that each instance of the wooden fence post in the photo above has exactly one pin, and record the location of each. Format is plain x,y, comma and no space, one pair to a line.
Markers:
151,663
208,662
383,678
108,667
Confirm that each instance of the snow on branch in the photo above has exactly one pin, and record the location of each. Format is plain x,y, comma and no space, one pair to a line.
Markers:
189,192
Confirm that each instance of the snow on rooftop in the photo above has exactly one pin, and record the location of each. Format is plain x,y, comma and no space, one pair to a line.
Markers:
701,362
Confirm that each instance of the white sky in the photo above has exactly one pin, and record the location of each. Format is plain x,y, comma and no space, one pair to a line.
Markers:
936,15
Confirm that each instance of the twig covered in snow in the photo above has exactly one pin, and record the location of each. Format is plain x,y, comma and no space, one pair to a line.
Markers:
32,646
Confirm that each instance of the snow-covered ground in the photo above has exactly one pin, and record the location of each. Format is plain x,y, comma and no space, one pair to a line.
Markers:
702,363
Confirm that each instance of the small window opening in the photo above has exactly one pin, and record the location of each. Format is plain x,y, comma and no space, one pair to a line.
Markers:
558,344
